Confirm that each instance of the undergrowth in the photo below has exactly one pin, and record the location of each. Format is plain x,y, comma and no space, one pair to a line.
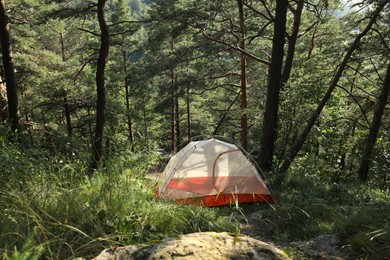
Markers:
50,210
310,205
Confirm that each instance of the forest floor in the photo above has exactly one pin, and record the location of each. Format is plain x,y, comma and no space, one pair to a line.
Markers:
256,226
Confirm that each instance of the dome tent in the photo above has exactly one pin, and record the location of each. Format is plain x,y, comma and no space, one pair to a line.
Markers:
211,173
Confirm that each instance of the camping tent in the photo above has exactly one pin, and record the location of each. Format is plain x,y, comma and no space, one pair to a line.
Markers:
211,173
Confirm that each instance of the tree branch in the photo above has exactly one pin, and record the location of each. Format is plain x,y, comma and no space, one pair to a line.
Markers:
357,102
222,119
237,48
270,18
87,31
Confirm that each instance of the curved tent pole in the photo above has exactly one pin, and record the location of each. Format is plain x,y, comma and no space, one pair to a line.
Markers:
249,157
215,164
178,164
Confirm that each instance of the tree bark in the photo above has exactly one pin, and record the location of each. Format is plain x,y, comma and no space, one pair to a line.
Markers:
298,145
189,130
97,144
177,119
145,115
244,102
64,92
270,120
67,114
292,40
173,136
11,85
374,129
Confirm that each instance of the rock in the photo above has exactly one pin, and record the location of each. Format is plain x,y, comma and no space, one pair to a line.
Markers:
122,253
321,247
325,243
256,226
204,245
258,214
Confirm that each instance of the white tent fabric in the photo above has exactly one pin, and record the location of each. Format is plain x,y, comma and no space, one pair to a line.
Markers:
211,173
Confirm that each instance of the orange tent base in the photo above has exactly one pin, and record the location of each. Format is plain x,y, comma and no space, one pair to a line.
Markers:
225,199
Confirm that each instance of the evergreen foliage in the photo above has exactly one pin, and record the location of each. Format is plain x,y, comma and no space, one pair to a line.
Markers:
173,73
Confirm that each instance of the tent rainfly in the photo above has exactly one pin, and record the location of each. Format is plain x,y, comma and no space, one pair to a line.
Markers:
211,173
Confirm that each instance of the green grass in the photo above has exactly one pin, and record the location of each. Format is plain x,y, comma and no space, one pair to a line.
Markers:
365,230
51,210
309,206
58,213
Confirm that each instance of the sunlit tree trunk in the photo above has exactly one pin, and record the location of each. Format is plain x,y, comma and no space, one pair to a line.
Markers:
188,114
175,117
97,144
11,86
374,129
172,97
244,102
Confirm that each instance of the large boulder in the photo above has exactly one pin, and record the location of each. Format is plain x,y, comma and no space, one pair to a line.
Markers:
205,245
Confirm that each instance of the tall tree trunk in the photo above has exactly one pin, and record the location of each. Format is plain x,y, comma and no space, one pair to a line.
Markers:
189,130
128,115
173,136
292,40
298,145
67,114
64,92
177,119
97,144
12,94
145,115
374,129
243,102
175,123
270,121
